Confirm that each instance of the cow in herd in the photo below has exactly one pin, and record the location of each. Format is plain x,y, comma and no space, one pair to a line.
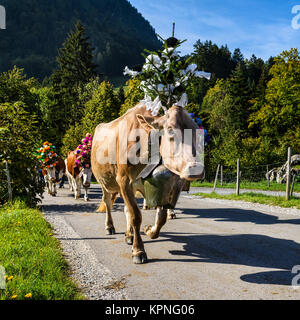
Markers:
78,174
121,177
53,175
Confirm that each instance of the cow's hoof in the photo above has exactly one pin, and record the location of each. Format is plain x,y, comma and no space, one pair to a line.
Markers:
171,216
86,199
53,194
149,232
145,208
140,259
110,231
129,240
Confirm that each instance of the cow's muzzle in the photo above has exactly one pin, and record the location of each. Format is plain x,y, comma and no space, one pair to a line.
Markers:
193,172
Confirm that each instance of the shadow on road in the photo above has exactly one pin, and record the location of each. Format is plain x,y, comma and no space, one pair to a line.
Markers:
245,249
237,215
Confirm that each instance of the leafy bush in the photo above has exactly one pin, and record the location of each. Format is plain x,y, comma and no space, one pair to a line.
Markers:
19,137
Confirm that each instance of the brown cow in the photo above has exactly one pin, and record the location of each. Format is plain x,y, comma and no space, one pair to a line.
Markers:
53,175
113,143
78,174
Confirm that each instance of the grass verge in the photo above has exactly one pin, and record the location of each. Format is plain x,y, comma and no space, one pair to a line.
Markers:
34,264
256,198
262,185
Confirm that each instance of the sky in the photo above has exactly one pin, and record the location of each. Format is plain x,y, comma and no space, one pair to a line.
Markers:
260,27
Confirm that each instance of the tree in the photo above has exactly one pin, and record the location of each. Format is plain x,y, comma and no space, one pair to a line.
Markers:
75,70
103,106
14,87
278,119
133,94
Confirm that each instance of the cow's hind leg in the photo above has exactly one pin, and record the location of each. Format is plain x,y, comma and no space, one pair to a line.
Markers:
102,207
134,219
160,220
109,225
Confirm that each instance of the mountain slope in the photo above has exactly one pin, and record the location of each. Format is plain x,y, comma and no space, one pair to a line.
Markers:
37,28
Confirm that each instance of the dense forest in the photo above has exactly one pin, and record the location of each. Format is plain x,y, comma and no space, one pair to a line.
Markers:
37,28
250,107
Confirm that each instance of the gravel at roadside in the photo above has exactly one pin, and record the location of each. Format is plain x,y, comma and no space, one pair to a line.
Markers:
95,280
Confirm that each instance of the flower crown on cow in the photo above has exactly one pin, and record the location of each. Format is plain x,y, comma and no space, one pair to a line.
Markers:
47,155
83,151
165,76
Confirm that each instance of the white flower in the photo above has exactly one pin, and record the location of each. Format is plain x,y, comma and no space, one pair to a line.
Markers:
129,72
153,106
170,52
191,68
183,101
160,87
153,60
202,74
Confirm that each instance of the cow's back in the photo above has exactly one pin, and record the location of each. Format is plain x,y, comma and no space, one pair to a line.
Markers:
71,166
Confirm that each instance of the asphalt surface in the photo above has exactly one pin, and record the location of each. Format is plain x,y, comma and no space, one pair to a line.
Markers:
215,249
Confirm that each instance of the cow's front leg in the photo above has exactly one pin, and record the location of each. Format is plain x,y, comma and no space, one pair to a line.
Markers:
51,192
160,220
135,219
48,187
129,231
76,186
86,198
171,214
54,192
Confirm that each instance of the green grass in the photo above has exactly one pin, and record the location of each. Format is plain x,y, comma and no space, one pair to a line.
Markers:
257,198
32,257
262,185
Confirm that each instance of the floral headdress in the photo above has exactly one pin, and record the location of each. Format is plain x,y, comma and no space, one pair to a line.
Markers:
165,76
83,151
47,155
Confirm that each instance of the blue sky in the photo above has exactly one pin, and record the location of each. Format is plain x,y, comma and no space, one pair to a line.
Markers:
260,27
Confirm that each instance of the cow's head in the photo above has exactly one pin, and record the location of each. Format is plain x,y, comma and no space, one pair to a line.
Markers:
51,173
86,174
178,142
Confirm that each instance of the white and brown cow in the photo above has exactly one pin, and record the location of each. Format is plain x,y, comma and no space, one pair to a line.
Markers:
78,174
119,176
53,175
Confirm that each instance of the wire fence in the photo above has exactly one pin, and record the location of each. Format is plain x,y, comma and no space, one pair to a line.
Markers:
247,174
280,176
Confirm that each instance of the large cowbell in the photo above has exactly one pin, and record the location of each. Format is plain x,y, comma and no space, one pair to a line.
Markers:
162,188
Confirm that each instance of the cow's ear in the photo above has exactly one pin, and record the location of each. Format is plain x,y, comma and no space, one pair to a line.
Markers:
144,123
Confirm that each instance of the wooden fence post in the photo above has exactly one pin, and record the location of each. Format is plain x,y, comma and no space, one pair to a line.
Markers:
216,178
221,175
288,174
8,182
238,178
268,176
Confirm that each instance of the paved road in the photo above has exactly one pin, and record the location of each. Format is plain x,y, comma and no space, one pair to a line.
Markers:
214,249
